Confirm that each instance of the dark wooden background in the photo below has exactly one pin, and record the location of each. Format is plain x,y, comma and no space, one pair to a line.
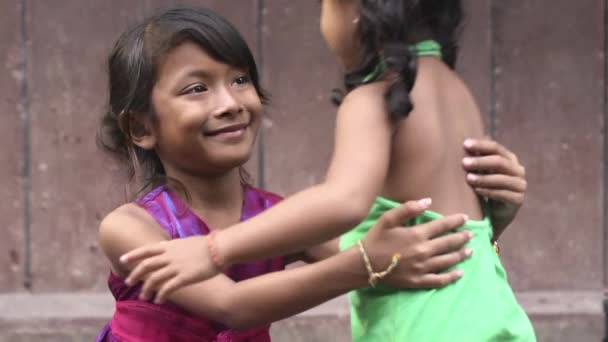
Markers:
537,68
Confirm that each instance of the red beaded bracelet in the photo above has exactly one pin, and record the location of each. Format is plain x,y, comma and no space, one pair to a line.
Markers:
213,252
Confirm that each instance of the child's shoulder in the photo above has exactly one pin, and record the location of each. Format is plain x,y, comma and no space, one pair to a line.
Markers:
366,97
371,91
126,213
133,213
125,220
365,106
126,227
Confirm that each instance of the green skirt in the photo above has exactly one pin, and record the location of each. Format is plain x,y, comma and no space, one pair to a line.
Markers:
480,306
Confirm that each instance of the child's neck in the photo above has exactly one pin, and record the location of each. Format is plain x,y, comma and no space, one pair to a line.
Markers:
216,199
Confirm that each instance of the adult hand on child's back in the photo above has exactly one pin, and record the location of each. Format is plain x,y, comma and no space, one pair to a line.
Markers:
426,249
169,265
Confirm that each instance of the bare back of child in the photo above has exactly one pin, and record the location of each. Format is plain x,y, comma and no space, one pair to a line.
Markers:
426,155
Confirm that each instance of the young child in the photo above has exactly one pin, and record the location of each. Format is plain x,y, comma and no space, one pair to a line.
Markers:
398,137
184,110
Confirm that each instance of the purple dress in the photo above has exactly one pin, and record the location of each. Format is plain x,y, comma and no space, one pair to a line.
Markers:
135,320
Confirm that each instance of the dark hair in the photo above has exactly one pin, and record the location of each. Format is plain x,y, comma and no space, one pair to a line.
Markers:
133,70
388,30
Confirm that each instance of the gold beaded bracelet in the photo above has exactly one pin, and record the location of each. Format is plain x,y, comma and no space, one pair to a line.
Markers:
374,277
496,247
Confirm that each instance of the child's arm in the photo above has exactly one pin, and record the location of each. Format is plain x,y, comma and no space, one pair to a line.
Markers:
273,296
316,253
320,213
281,294
322,251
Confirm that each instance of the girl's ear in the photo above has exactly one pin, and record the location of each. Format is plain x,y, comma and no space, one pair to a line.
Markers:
141,131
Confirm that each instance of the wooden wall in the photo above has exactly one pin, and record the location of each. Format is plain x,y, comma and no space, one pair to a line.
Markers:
537,68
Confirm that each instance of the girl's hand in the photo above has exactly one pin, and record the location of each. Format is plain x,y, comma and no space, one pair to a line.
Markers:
169,265
426,249
494,172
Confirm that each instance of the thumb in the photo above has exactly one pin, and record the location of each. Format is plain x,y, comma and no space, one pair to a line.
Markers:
397,216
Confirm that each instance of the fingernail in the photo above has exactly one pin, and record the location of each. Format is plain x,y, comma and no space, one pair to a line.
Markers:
459,273
425,202
129,282
466,217
470,234
467,161
469,143
468,252
143,297
124,259
471,177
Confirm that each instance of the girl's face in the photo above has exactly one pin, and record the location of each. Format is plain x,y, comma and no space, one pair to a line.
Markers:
339,21
208,113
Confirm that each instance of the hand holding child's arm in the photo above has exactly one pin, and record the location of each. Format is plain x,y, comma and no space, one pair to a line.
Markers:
425,250
289,292
495,172
169,265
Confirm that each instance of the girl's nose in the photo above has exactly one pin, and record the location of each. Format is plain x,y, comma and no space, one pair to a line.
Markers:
228,104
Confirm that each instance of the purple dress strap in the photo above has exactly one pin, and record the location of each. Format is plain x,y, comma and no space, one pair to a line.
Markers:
136,320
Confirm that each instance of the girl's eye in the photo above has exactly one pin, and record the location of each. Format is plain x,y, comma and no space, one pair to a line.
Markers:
242,80
199,88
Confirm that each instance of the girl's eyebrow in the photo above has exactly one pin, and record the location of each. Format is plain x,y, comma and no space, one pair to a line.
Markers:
201,73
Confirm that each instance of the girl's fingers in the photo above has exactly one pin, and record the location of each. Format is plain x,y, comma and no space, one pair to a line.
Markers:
448,243
142,253
488,147
167,288
497,181
493,164
441,226
504,196
154,281
398,216
432,280
143,268
443,262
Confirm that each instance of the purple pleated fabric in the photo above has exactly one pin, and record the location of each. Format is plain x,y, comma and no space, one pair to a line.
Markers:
135,320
